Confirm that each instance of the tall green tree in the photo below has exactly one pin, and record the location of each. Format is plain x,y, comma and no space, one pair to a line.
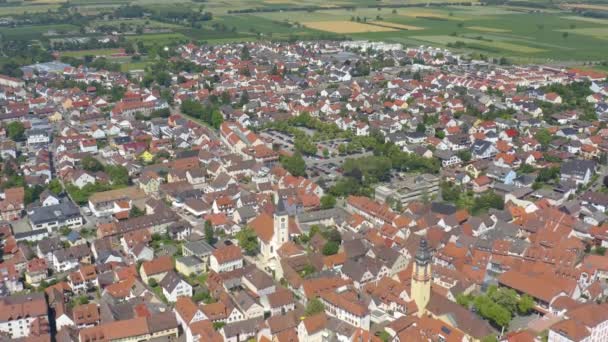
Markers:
294,164
15,130
209,233
248,240
314,306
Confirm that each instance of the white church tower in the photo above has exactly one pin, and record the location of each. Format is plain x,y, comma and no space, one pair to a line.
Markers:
281,225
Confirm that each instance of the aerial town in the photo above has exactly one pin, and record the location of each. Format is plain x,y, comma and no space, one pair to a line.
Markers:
309,191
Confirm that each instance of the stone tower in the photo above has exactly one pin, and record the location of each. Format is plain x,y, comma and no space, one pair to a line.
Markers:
421,277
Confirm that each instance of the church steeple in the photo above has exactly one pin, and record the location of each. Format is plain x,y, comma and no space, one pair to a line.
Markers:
422,277
281,224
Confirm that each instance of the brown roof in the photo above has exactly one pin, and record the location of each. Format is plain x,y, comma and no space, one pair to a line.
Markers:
280,298
537,287
315,323
345,303
462,318
85,314
205,330
158,265
115,330
263,225
227,254
186,308
17,306
571,329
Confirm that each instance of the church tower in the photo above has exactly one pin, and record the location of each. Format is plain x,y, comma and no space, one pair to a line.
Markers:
281,225
421,277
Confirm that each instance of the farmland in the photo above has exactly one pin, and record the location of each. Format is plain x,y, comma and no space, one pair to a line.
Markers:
539,33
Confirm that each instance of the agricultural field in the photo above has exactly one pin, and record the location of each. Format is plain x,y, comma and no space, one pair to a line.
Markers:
343,26
528,34
95,53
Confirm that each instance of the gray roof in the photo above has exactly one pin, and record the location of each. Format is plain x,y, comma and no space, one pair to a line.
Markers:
170,281
190,260
245,327
577,167
199,248
58,212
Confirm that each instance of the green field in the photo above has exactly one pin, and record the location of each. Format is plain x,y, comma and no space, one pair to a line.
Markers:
516,32
97,52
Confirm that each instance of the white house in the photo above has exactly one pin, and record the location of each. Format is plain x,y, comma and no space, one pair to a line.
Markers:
174,287
226,259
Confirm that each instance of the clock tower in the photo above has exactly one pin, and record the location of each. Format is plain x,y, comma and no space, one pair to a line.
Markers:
422,277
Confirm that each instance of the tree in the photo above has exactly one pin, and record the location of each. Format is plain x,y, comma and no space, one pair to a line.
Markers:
192,108
489,338
15,130
152,282
248,240
544,137
209,233
465,155
420,128
91,164
314,306
55,186
136,212
486,308
294,164
118,174
525,304
325,153
331,248
328,202
245,55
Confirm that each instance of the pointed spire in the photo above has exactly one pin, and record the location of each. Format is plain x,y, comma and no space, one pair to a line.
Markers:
423,255
280,210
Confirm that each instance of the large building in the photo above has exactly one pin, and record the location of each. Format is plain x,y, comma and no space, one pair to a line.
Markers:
22,314
409,188
52,217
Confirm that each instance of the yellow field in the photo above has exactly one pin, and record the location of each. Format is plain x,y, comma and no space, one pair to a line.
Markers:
586,6
397,26
344,26
487,29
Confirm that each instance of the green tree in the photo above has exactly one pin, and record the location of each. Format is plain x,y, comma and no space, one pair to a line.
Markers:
209,233
152,282
331,248
91,164
420,128
497,314
465,155
314,306
294,164
248,240
489,338
544,137
118,174
136,212
325,153
55,186
525,304
15,130
328,202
